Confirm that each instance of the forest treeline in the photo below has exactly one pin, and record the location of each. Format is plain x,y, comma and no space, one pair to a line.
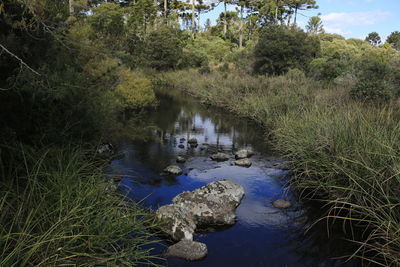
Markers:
70,71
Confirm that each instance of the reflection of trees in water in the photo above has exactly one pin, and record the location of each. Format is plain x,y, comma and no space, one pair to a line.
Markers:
176,115
241,131
154,135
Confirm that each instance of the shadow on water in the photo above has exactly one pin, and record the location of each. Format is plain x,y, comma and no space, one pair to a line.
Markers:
263,235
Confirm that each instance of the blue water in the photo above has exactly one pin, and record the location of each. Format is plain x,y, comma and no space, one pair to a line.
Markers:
263,235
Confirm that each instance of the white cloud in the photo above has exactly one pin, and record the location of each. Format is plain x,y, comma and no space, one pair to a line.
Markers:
340,22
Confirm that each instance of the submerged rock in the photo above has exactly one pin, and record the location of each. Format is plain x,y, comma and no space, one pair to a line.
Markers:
188,250
281,204
220,156
176,222
243,162
181,146
106,149
211,205
243,153
192,141
182,140
180,159
174,170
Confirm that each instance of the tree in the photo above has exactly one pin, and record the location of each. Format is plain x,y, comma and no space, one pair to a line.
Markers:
164,48
301,5
373,38
142,13
280,49
201,7
394,40
108,19
207,25
315,26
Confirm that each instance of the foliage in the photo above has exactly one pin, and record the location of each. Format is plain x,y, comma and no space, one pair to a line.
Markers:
280,49
314,25
373,38
107,18
133,91
164,48
394,40
214,48
376,79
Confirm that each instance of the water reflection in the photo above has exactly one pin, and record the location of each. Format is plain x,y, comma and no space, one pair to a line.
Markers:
263,235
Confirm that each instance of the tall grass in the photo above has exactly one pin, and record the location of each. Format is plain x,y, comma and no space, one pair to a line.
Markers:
343,153
58,209
350,159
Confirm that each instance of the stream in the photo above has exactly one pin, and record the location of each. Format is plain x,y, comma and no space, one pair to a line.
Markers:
262,235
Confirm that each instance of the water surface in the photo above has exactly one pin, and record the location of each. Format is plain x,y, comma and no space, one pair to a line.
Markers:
263,235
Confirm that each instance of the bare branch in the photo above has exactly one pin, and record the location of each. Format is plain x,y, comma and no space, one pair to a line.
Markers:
20,60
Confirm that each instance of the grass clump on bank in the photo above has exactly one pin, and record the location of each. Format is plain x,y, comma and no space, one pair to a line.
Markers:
57,208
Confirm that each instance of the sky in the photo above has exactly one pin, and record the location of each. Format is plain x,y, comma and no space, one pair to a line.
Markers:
349,18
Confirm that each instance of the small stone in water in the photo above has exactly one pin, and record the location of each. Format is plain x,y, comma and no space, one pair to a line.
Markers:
219,156
174,170
192,141
188,250
244,153
181,146
281,204
180,159
243,162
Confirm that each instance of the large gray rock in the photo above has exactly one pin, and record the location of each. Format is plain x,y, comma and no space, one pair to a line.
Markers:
174,170
243,162
219,156
188,250
176,221
243,153
213,204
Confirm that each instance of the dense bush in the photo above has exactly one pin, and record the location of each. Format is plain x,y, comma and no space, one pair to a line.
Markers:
164,48
280,49
214,48
377,78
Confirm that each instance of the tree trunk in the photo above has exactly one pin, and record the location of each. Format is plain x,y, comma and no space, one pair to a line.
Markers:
250,28
241,28
289,17
225,22
71,7
193,23
198,20
165,8
295,15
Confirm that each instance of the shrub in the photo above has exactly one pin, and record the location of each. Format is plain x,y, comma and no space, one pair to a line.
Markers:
164,48
134,92
280,49
369,90
377,78
327,68
107,18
